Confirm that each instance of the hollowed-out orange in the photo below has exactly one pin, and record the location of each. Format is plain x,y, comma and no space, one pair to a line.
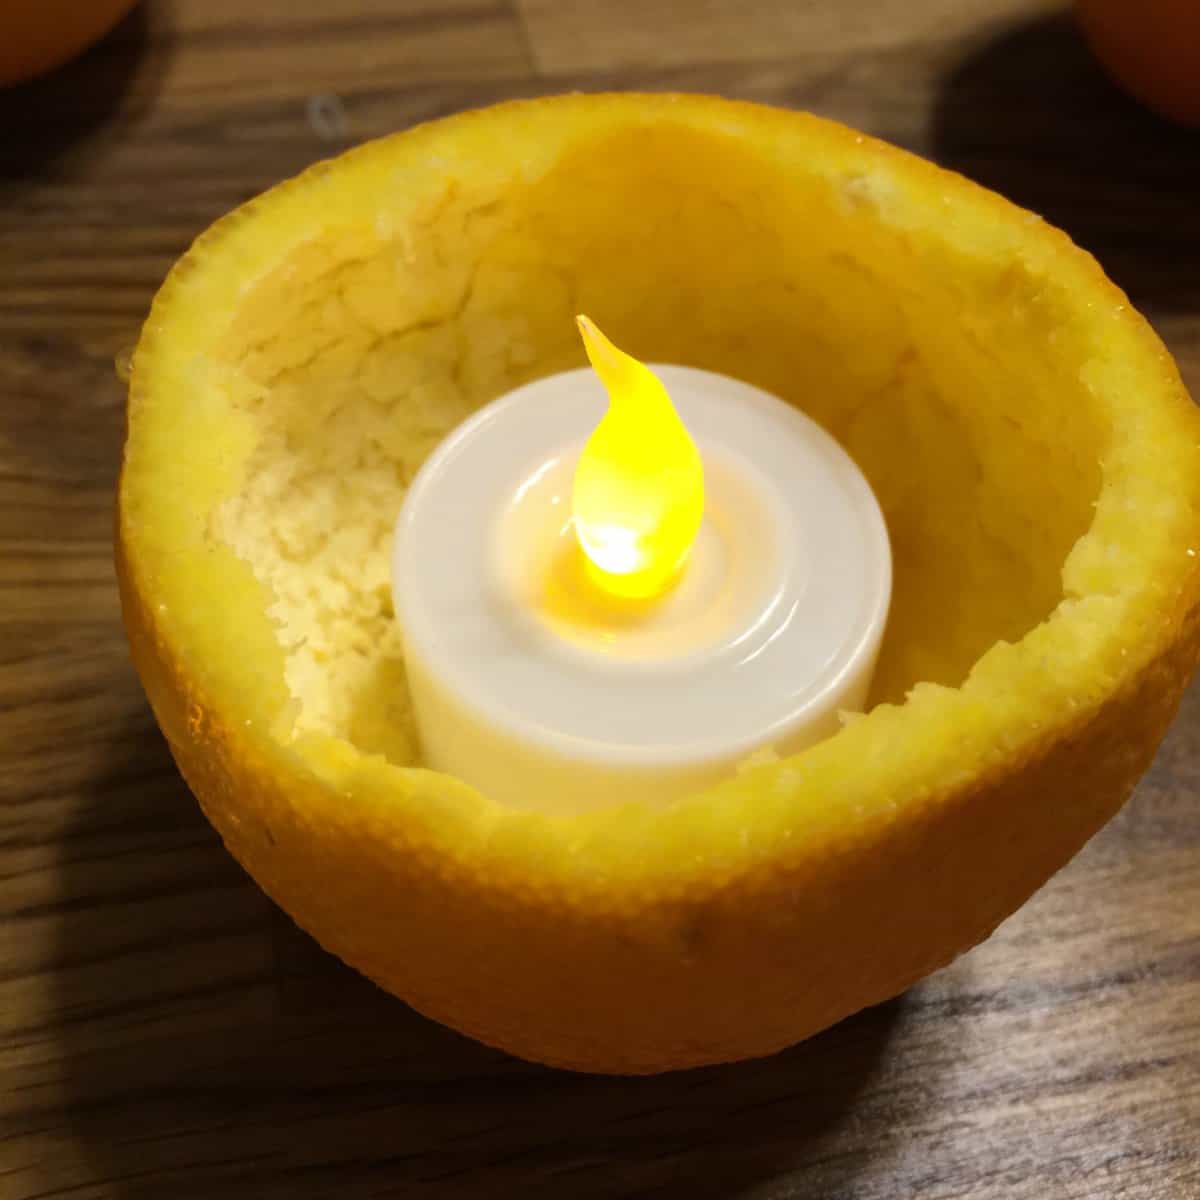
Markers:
1027,435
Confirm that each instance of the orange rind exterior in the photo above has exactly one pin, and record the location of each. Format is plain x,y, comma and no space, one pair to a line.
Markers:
1030,441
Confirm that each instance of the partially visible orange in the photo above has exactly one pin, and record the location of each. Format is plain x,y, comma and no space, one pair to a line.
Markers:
1152,49
38,35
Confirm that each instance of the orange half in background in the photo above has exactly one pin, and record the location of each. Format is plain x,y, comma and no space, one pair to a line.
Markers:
38,35
1152,49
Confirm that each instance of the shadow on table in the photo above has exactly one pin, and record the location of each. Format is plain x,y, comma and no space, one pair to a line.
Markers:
63,410
1032,115
47,116
208,1045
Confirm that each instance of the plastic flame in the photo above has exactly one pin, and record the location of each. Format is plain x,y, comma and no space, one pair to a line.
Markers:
638,496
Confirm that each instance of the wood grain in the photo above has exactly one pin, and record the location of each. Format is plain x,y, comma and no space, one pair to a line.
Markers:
163,1030
570,35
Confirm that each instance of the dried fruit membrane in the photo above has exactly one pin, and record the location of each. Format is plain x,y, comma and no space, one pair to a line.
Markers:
1029,439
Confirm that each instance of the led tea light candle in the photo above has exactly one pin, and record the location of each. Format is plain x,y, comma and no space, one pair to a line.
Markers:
630,615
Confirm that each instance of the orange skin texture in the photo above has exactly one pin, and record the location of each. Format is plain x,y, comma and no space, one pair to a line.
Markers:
38,35
1151,49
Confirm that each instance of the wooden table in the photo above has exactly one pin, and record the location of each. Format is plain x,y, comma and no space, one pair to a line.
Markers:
164,1032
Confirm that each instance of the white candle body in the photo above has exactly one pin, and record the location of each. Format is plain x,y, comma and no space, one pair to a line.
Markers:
772,630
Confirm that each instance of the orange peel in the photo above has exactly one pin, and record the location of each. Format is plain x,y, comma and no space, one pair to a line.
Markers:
1029,439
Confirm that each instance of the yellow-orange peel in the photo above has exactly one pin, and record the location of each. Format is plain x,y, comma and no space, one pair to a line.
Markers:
1028,436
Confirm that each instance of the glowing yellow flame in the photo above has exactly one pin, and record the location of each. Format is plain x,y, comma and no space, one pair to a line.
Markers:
639,486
